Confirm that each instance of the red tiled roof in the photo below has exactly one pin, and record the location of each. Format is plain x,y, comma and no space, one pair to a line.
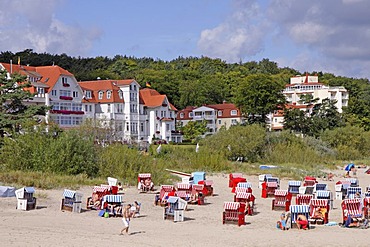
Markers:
103,85
151,98
226,109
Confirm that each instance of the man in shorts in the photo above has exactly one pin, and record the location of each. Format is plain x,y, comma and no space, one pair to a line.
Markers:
302,222
126,215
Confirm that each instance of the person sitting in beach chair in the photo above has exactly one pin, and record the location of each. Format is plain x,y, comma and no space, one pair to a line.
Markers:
135,209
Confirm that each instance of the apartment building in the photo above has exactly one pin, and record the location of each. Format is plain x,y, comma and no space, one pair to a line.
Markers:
217,116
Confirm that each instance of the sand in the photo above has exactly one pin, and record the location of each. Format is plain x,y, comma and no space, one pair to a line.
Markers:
49,226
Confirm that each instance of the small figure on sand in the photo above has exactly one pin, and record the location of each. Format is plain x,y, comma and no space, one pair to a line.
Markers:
126,219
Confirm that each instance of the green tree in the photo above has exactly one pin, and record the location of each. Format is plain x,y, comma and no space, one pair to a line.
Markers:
257,96
13,110
194,129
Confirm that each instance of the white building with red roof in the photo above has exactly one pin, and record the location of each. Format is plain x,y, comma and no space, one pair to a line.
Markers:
217,116
134,114
307,85
53,86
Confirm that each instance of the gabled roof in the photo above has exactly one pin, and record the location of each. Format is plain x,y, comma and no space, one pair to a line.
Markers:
151,98
104,86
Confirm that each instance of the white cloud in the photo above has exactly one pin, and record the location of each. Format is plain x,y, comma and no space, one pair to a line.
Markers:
239,36
32,25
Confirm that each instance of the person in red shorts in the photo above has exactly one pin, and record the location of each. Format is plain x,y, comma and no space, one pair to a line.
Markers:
302,222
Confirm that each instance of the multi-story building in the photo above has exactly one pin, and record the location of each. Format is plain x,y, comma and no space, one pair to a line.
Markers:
307,85
53,86
133,114
217,116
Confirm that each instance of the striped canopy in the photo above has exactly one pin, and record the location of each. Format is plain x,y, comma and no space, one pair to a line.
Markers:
294,183
69,193
240,190
299,209
182,194
319,202
353,206
272,184
183,186
236,175
100,189
145,175
321,186
244,185
231,205
323,194
243,195
281,192
167,188
113,198
198,187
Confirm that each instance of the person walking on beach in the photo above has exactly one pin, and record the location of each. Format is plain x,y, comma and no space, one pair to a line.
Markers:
126,219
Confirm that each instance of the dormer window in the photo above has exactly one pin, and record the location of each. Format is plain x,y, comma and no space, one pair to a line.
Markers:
120,94
181,115
88,95
109,94
100,95
190,114
234,112
219,113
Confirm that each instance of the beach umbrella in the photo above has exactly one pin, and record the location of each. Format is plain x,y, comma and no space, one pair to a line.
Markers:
197,148
159,149
349,167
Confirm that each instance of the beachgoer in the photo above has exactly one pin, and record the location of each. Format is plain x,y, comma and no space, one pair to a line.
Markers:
126,219
318,213
120,186
282,223
302,222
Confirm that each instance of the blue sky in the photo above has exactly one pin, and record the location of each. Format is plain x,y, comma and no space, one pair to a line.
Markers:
308,35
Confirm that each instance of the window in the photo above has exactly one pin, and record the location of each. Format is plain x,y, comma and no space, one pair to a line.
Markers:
234,122
75,94
109,94
219,121
120,94
100,95
88,95
40,90
54,92
190,114
181,115
167,127
65,93
219,113
127,126
134,87
108,108
234,112
142,127
86,108
90,108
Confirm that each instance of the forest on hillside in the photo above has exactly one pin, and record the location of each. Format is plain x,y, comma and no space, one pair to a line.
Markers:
193,81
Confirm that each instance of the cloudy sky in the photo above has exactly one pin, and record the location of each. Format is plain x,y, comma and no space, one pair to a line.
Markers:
308,35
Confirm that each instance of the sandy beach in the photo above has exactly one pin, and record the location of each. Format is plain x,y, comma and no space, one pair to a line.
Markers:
49,226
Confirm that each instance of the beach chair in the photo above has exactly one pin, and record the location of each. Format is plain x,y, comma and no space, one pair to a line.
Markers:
174,209
232,176
197,196
269,187
71,201
366,207
164,193
183,195
303,199
112,181
352,191
198,176
236,181
246,185
113,204
282,200
320,186
246,198
295,210
353,208
95,201
323,206
354,182
112,189
25,199
309,181
208,187
145,183
263,178
341,189
325,194
293,187
234,213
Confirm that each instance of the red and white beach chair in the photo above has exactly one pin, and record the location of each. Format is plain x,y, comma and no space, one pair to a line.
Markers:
208,187
145,182
95,201
303,199
269,187
351,207
232,176
233,213
165,192
309,181
246,198
323,206
282,200
197,194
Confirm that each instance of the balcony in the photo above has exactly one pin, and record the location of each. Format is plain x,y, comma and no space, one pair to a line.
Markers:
66,97
67,112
